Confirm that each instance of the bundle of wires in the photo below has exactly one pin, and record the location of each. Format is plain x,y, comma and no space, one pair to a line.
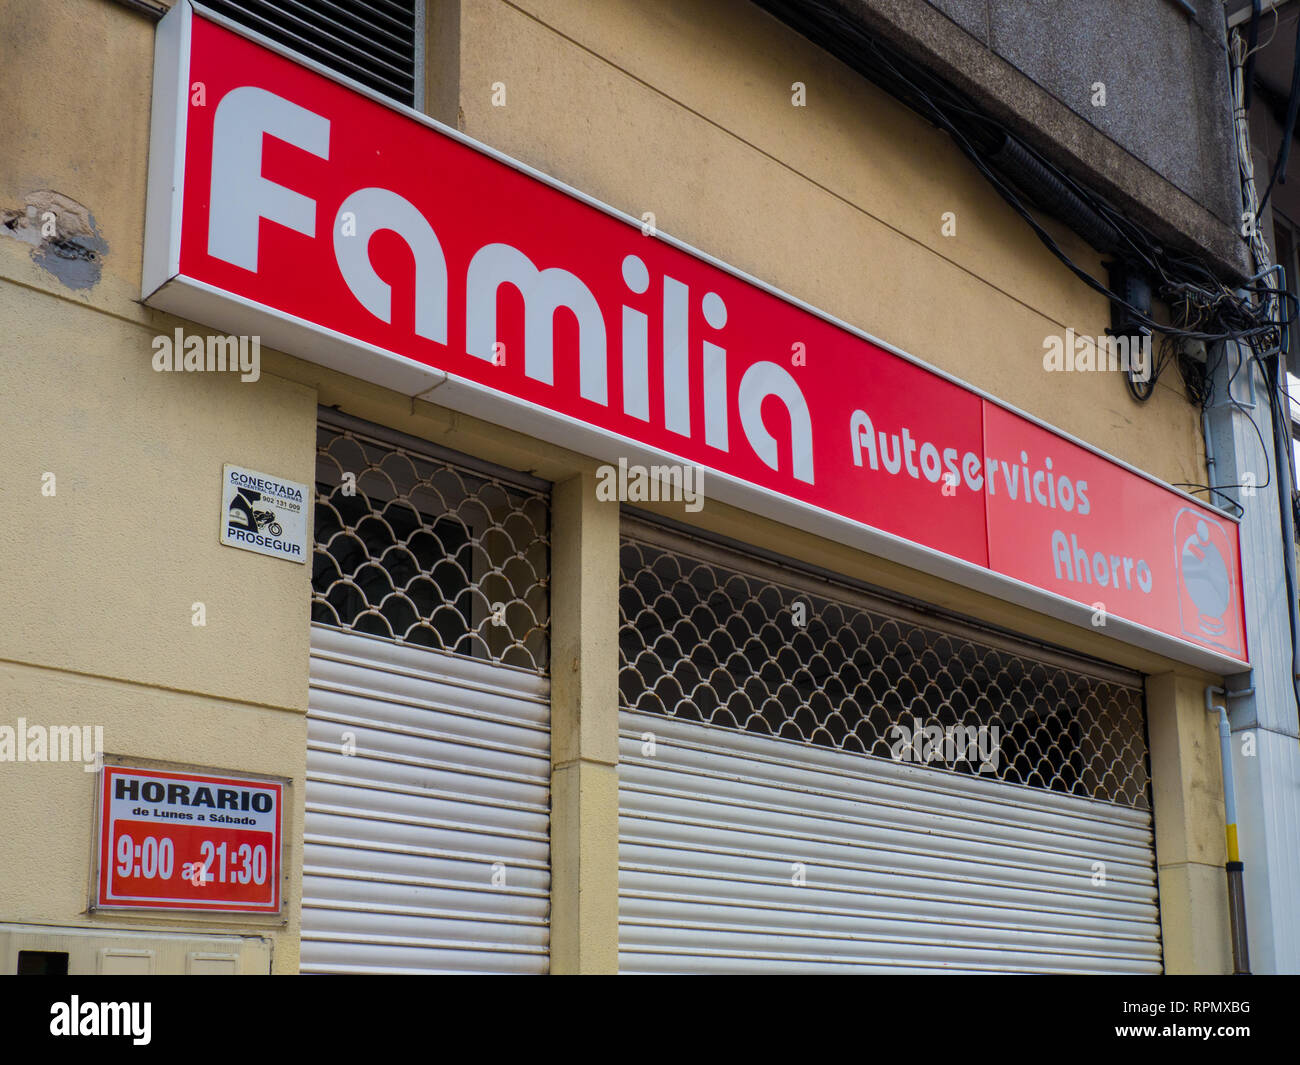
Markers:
1208,309
1202,307
1257,314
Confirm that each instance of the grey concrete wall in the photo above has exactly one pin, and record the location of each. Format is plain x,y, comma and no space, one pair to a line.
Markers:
1160,148
1165,75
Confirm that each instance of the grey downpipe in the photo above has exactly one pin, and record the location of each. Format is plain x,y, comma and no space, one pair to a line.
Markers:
1282,463
1209,447
1235,867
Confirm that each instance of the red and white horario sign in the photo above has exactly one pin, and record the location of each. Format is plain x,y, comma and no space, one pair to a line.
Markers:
186,841
288,203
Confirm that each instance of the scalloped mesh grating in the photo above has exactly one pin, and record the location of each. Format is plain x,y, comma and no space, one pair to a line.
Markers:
426,552
701,642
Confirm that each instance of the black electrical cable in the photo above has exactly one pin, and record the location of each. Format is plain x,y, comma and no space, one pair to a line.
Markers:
1239,406
1283,453
1252,39
1046,238
1203,307
1194,379
1228,503
1143,390
1292,106
1226,315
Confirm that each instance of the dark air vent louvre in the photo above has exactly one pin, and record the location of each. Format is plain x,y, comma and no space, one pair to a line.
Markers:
371,41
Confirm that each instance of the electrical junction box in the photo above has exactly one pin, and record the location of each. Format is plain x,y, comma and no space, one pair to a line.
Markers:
48,950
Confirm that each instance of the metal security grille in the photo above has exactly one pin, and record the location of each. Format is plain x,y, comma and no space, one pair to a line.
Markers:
770,820
425,550
375,42
758,651
426,837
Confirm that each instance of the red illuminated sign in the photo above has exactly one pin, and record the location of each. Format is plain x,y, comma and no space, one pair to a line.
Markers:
181,841
362,236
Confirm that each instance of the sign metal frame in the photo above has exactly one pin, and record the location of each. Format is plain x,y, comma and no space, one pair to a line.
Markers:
277,872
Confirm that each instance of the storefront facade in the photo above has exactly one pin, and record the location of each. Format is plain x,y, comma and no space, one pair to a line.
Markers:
522,725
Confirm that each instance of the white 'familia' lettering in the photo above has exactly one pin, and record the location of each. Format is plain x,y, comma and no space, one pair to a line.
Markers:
241,197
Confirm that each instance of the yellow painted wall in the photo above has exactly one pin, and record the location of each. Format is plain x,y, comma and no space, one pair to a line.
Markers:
668,106
1187,801
684,109
98,581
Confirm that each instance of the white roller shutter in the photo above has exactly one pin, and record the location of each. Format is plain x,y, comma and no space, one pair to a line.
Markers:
427,849
905,868
770,819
